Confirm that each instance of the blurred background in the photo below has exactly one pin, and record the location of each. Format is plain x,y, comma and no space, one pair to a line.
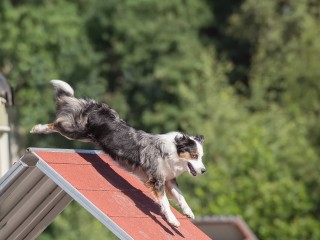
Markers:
245,73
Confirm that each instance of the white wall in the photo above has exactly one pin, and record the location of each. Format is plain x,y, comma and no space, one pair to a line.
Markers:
4,141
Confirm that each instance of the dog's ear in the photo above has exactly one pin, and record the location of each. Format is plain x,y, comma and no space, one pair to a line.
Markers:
181,139
181,142
199,138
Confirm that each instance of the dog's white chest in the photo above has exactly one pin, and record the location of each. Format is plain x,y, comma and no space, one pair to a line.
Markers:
173,168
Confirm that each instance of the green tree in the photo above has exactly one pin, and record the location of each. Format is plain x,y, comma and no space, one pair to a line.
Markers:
267,156
168,65
284,63
152,57
38,44
259,178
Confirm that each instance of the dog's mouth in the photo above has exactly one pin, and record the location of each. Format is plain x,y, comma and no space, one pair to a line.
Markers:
191,169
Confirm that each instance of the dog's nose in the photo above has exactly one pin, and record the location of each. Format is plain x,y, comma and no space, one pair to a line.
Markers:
203,170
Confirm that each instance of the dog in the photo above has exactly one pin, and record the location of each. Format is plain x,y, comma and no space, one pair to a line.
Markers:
157,160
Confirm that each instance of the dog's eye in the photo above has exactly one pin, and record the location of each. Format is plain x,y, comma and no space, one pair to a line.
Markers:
194,156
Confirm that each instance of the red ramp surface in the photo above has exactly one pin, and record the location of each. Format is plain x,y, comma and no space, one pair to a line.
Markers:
116,198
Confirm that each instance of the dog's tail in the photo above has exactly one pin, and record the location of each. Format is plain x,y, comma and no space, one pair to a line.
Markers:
62,88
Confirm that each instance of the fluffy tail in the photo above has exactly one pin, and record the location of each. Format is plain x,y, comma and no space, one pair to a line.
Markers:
62,88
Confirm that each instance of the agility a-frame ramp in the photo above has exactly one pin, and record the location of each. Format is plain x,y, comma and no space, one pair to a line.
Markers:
44,181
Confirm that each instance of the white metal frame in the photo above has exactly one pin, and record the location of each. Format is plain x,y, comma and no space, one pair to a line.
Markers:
25,187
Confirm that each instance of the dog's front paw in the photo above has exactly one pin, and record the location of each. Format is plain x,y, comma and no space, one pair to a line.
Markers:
174,222
172,219
188,212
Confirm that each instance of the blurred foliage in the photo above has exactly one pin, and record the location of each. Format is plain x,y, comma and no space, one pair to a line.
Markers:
242,72
76,224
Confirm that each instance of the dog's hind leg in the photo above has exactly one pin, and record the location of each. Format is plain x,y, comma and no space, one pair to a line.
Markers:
43,129
173,189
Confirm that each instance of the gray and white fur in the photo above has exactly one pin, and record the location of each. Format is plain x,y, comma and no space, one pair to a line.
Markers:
156,159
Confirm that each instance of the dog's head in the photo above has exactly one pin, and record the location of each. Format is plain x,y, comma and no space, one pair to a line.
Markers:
190,150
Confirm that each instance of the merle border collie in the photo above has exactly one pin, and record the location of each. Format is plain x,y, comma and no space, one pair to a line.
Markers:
156,159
